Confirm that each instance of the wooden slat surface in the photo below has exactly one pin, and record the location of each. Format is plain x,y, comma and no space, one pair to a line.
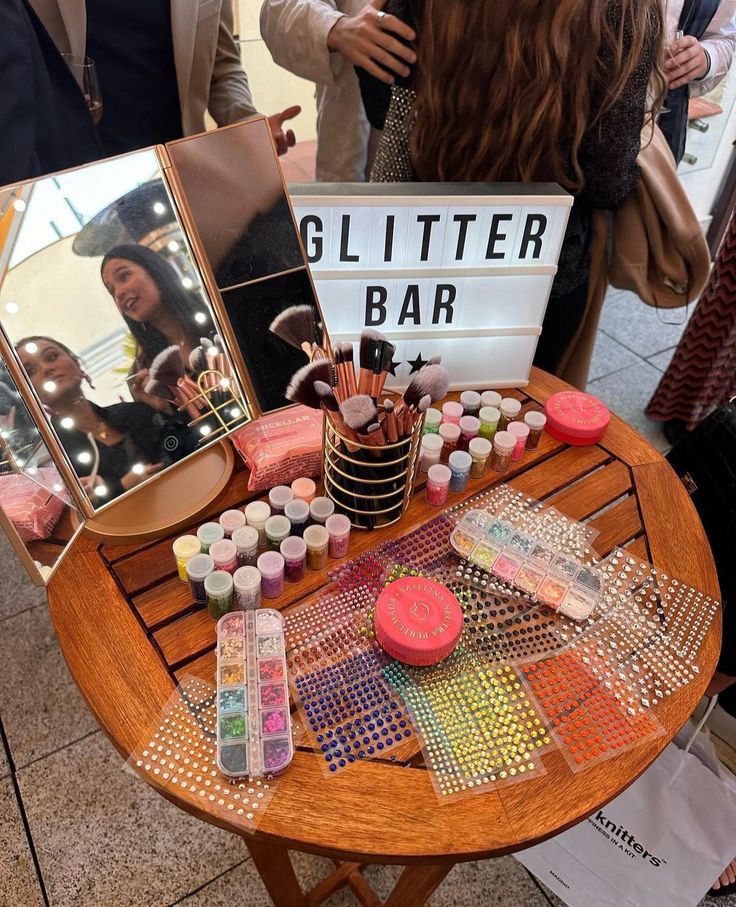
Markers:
379,810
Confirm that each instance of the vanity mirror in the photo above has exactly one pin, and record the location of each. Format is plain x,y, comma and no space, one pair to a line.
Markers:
139,313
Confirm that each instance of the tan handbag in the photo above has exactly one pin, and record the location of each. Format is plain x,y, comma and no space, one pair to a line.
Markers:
659,249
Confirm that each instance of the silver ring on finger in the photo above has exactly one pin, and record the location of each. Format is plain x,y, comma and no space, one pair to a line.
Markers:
380,16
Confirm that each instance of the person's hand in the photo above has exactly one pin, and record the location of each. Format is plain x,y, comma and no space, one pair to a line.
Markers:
367,40
284,140
139,474
137,384
687,61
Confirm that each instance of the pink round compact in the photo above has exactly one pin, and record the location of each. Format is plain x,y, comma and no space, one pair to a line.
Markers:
418,621
576,418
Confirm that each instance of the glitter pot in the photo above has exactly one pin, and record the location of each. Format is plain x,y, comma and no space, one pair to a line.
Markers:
277,529
469,428
199,568
470,402
479,450
184,547
438,484
297,513
490,398
450,434
338,527
279,497
271,565
318,540
503,448
489,418
320,509
432,421
520,431
430,451
536,422
247,584
246,545
224,554
303,489
256,514
459,463
576,418
294,552
451,412
209,533
231,520
219,588
417,620
509,408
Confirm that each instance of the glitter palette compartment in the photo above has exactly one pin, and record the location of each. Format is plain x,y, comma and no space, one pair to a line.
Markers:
528,564
253,722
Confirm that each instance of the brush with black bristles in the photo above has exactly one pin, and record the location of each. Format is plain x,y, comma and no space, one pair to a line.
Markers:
432,380
302,389
346,370
297,327
167,368
382,368
372,344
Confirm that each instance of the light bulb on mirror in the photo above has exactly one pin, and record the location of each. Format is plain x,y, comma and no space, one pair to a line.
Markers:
49,386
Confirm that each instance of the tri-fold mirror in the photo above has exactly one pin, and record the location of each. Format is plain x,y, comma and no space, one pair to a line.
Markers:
139,322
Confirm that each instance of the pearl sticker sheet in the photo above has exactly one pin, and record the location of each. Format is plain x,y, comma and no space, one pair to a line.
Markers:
181,752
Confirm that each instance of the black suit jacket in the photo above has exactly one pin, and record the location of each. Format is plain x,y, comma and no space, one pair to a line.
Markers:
44,122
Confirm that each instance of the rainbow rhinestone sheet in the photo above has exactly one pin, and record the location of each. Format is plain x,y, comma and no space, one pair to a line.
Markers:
638,646
180,755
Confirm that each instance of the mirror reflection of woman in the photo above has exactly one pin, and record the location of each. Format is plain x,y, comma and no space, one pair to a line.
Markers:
112,448
157,308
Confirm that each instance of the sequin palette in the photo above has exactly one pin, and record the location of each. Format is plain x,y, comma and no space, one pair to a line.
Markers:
253,722
527,564
181,753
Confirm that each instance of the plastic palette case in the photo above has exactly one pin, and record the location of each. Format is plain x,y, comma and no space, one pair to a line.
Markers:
528,565
253,721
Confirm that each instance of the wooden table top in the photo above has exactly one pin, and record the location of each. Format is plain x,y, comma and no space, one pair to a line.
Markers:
128,629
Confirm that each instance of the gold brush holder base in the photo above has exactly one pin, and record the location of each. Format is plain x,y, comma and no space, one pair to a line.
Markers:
371,485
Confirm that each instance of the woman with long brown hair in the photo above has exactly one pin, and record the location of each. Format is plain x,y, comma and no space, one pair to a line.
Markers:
530,91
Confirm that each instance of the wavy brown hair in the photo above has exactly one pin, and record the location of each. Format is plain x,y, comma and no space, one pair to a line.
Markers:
506,89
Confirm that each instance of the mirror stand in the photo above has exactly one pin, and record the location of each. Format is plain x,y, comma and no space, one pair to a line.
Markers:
172,501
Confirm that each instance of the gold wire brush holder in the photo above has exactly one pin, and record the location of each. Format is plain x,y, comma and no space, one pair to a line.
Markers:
371,485
220,400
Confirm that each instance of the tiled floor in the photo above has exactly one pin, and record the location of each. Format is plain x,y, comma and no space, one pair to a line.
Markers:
78,829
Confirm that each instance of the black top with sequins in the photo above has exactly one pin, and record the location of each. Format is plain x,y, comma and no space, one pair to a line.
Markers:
608,151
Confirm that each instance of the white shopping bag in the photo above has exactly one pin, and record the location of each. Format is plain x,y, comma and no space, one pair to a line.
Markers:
664,841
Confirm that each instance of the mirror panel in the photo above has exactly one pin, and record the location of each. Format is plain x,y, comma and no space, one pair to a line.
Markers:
246,231
36,506
103,303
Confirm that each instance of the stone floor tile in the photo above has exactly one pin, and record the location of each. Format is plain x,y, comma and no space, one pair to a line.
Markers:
627,393
639,327
103,837
41,707
18,592
18,881
4,764
663,359
609,356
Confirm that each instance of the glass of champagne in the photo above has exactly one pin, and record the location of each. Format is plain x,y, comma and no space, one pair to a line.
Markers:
85,72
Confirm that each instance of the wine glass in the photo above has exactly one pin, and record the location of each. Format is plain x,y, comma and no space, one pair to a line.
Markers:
85,72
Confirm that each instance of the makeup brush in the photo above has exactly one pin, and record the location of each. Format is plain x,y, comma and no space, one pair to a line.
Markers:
432,380
435,360
387,351
223,366
159,390
301,388
359,412
198,363
297,327
168,369
344,356
371,355
330,403
389,421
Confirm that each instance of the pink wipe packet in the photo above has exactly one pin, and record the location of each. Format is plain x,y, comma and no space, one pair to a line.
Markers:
32,509
281,447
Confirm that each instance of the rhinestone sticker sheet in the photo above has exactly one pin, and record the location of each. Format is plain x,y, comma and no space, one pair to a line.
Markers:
180,752
477,724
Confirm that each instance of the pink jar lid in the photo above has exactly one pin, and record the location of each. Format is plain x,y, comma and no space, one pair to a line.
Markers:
417,620
576,418
452,410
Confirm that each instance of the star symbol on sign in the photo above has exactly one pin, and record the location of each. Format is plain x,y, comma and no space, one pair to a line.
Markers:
392,368
417,364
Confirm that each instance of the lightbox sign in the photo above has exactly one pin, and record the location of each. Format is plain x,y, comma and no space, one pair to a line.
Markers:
461,270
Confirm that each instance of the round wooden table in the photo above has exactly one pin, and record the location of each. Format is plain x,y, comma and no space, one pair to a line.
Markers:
128,629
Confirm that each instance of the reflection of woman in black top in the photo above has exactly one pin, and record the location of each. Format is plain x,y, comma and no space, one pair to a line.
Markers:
112,448
157,308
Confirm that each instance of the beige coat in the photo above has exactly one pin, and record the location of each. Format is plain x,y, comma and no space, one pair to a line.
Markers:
209,73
